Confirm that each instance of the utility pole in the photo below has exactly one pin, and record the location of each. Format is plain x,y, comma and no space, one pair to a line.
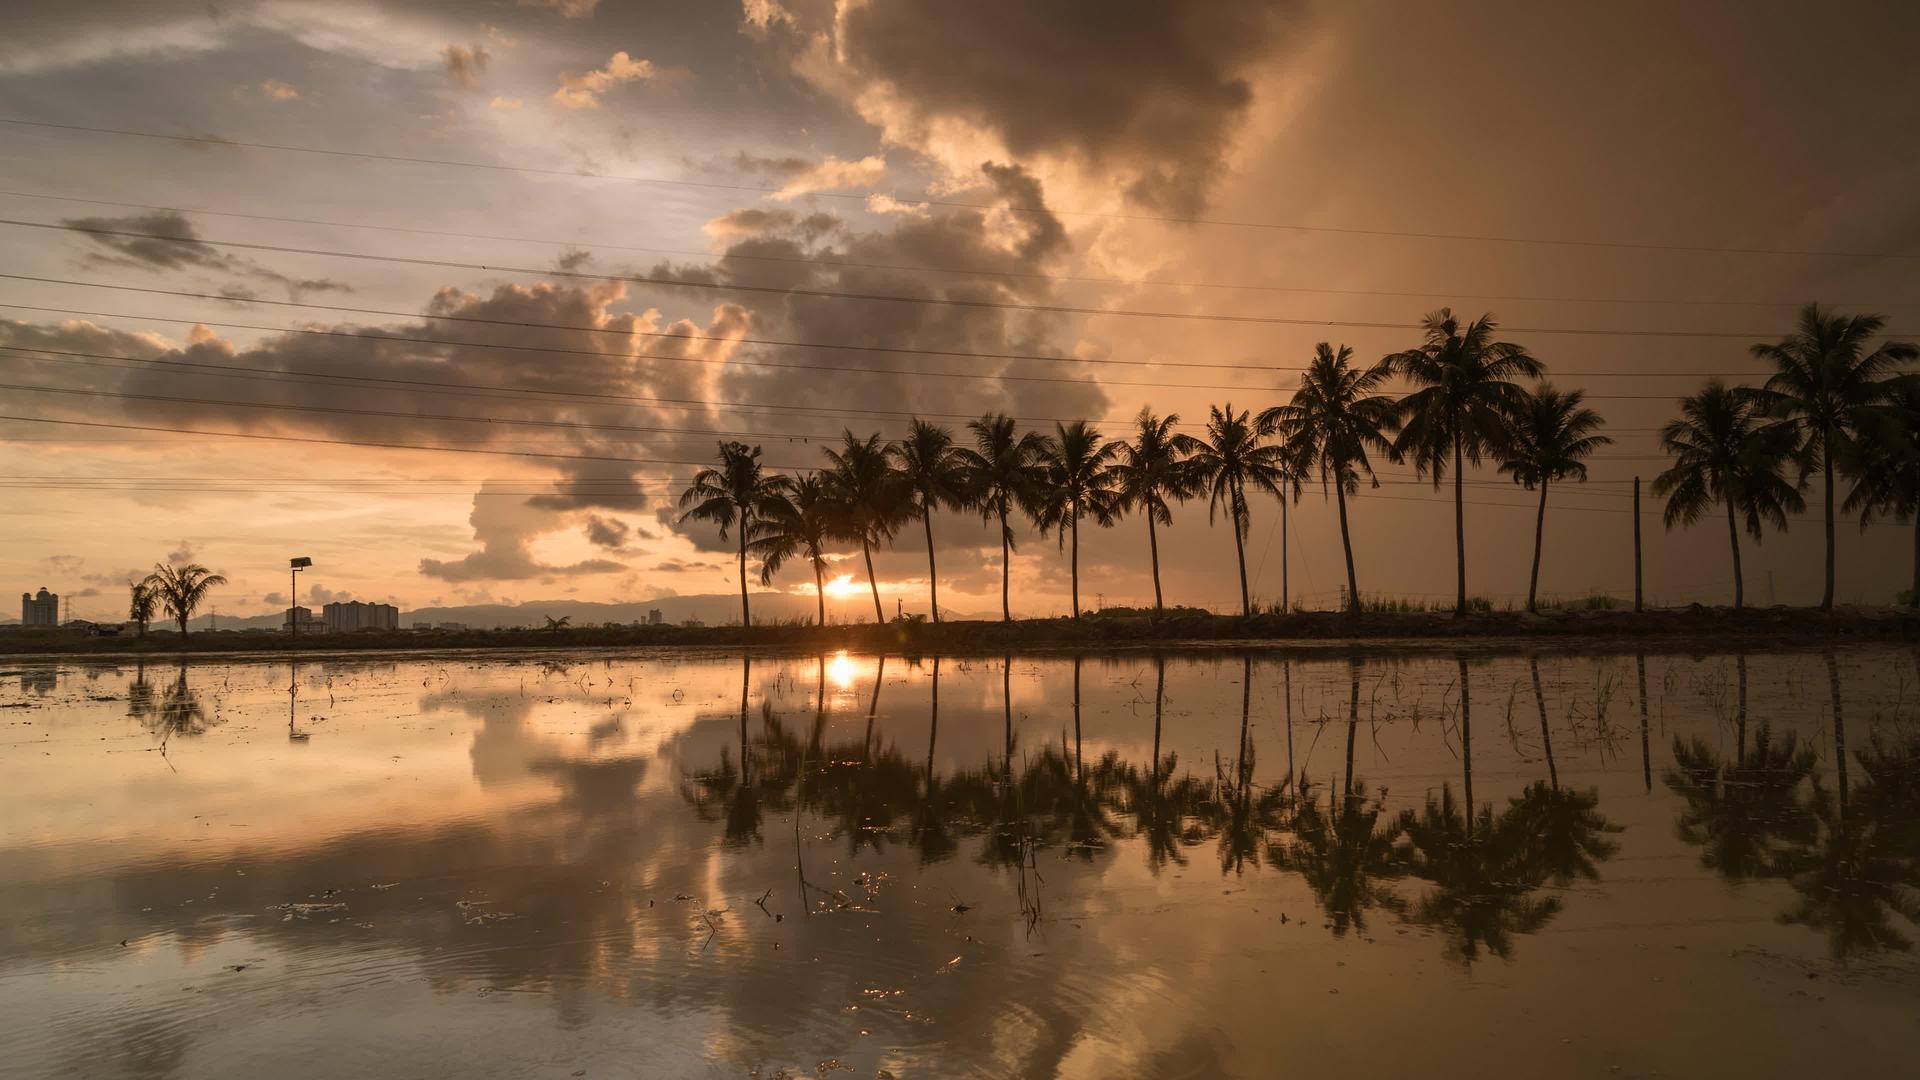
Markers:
1639,602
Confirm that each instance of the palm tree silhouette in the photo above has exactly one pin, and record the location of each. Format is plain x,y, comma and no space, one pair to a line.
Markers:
932,468
1824,383
1723,453
1078,483
1461,408
1885,460
141,600
1004,476
181,589
1335,421
867,500
797,521
1230,459
1150,470
1552,436
734,496
1564,832
1481,870
1748,817
1344,855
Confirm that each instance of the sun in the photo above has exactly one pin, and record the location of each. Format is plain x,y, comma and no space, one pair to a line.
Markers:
841,668
842,586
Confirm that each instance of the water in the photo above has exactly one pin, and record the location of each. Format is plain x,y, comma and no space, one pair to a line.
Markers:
569,865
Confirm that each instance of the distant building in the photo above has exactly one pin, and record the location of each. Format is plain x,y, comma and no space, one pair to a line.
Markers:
304,616
354,615
450,626
654,618
42,609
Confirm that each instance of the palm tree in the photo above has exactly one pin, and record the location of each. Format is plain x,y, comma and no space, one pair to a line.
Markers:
1004,475
867,501
1226,462
1552,435
1150,470
1078,482
796,523
1825,382
932,469
734,496
1335,420
1885,458
1723,453
1460,410
141,601
181,589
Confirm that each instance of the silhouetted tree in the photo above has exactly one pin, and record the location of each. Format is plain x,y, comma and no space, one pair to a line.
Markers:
1552,435
141,601
1722,452
1004,476
1335,421
1460,408
867,499
181,589
796,524
1227,462
934,471
1824,383
734,496
1150,470
1884,459
1077,484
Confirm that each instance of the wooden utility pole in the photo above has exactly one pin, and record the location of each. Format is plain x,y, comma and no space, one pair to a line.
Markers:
1639,602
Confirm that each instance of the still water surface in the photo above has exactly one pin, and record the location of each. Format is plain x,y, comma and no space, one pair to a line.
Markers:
1203,864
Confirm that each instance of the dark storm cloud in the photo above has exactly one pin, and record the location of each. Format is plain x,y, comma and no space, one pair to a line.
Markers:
1151,91
182,249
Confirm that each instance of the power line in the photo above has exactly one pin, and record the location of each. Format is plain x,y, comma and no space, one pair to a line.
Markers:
960,204
829,294
817,260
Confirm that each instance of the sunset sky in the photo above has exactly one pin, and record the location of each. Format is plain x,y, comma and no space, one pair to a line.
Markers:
406,212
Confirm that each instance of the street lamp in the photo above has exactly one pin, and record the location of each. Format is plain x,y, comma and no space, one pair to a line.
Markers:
293,592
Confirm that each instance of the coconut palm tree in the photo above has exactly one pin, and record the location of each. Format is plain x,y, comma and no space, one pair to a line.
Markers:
1552,435
1825,382
796,523
868,503
181,589
1077,482
1231,459
1885,459
935,474
1150,470
141,600
1004,476
736,496
1723,452
1335,421
1459,410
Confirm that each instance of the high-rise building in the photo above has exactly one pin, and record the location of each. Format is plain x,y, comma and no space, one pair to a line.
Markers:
344,618
654,618
41,609
309,623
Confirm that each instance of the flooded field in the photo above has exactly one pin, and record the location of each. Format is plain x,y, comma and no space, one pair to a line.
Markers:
1203,864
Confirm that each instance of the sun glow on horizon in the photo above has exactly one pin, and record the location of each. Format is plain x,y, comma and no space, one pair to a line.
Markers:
842,586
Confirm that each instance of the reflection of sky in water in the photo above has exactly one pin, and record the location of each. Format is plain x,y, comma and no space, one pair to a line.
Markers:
462,867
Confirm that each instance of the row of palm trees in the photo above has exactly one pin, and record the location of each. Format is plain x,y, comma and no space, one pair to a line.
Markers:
1832,406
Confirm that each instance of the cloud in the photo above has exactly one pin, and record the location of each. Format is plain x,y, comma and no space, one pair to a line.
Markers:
761,14
1145,94
506,104
582,91
275,598
136,240
63,564
610,533
185,553
834,173
279,91
566,9
465,65
505,526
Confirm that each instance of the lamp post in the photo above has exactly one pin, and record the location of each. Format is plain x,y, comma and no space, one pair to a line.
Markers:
293,593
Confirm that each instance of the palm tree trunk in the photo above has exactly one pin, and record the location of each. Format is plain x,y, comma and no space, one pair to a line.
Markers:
1153,548
1006,565
1733,534
1346,542
933,576
1466,743
1353,725
1826,462
1646,750
1159,705
1286,586
1740,710
1079,766
1459,528
1286,676
745,619
1006,703
1076,568
1539,533
1546,733
872,582
1240,552
1839,731
820,592
1913,598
